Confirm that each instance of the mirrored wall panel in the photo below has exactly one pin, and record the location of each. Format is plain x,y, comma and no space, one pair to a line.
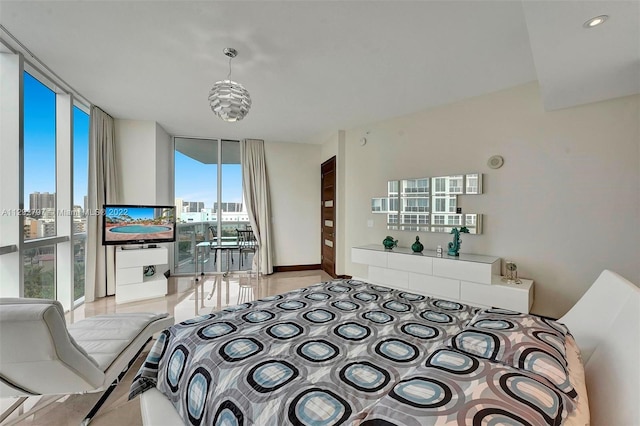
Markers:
430,204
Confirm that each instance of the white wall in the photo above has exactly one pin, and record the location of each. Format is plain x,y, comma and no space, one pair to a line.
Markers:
329,147
294,182
565,205
145,160
136,154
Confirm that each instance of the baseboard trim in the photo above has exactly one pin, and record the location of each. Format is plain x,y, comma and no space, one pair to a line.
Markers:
292,268
345,277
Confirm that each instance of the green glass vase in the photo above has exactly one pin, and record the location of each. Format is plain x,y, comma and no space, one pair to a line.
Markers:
417,247
389,243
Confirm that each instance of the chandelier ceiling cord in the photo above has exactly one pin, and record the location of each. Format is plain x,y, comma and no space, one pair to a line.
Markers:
229,100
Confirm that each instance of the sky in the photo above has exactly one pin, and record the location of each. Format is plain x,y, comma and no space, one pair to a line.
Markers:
194,181
39,143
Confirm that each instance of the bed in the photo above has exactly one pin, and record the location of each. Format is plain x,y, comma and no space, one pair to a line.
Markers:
350,352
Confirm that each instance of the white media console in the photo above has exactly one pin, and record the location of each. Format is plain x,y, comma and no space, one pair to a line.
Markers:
469,278
131,282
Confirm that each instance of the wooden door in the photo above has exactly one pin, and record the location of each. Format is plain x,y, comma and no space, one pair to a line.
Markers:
328,216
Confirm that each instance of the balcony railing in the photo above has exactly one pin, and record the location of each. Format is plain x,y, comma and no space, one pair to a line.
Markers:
190,234
79,257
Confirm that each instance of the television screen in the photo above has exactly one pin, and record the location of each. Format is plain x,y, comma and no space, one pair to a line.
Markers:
127,224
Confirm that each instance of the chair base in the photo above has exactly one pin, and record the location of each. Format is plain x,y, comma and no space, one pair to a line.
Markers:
17,404
105,395
44,403
50,399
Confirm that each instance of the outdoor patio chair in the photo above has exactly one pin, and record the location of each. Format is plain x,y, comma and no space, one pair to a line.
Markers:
246,243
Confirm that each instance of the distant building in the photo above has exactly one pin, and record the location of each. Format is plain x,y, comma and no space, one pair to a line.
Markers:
229,207
206,215
46,228
30,228
192,206
44,200
49,213
38,228
79,226
179,205
209,215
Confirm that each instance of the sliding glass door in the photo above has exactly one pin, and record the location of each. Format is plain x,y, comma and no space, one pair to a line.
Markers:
208,188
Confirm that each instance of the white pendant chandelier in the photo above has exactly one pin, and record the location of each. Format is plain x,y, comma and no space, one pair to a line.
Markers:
229,100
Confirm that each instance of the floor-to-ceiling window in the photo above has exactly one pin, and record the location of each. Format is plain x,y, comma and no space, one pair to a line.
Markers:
80,188
208,191
39,177
44,164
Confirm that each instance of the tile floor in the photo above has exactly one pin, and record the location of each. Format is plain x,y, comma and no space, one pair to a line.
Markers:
184,301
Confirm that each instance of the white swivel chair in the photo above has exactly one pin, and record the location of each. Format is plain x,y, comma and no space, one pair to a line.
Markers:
40,355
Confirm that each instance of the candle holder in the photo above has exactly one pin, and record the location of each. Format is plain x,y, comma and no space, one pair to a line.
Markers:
511,276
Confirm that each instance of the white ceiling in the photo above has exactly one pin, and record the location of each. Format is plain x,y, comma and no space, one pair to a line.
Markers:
315,67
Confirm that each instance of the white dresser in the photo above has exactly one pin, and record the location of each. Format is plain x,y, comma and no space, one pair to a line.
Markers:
131,282
469,278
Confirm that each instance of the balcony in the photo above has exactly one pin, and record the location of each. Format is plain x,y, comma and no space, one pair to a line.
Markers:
190,234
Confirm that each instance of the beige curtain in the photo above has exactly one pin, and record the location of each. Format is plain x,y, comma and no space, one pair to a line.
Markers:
103,189
256,195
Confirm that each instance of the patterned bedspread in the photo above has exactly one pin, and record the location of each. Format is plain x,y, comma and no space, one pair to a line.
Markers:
336,353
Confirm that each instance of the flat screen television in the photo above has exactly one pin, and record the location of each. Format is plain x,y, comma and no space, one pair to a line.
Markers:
131,224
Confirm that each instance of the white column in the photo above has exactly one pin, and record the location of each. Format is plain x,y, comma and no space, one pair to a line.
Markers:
11,181
64,198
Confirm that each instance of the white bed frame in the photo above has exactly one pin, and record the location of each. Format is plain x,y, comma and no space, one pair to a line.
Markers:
606,325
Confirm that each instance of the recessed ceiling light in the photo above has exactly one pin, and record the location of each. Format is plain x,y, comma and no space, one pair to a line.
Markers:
594,22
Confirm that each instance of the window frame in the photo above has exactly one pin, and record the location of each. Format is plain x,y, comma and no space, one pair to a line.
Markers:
63,241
